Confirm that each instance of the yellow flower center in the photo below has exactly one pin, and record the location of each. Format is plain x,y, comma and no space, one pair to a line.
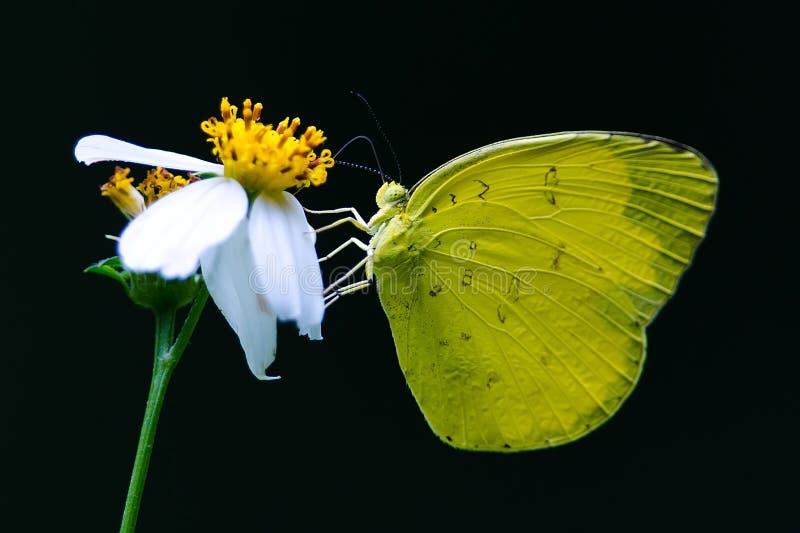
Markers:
133,200
160,182
263,158
119,189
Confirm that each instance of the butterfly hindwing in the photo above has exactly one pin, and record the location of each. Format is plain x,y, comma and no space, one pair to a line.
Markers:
524,274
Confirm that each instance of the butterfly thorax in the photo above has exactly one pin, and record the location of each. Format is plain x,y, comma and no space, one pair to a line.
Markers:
390,246
394,252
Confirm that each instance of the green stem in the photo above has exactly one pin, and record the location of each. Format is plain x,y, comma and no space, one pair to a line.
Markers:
166,358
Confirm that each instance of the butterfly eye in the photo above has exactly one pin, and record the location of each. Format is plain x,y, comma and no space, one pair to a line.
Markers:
393,194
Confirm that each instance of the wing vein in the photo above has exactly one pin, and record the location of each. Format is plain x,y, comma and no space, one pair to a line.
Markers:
508,365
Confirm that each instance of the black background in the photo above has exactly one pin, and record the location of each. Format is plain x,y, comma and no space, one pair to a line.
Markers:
708,438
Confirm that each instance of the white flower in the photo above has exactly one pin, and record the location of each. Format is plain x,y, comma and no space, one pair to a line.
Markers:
248,235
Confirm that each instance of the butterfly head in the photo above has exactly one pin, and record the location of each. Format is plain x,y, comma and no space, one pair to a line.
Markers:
390,195
391,199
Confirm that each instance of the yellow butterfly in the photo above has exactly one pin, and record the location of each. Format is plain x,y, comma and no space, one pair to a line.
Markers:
519,278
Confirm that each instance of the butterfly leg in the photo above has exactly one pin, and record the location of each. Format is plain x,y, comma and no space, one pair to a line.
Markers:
347,289
352,240
357,220
347,274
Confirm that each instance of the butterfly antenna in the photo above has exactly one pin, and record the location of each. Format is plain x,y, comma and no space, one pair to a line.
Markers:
382,132
365,168
379,171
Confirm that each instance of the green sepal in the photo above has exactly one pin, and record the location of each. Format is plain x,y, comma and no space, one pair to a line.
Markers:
149,290
111,268
154,292
206,175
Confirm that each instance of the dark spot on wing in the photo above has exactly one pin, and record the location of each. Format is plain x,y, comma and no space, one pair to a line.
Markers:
551,177
466,279
436,289
550,180
555,263
449,438
465,336
444,342
438,242
453,199
507,446
501,314
434,209
485,190
513,291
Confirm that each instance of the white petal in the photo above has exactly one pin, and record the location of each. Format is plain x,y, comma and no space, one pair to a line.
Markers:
287,270
94,148
169,236
226,270
313,331
311,234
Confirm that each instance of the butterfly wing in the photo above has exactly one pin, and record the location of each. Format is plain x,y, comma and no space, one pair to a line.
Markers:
519,282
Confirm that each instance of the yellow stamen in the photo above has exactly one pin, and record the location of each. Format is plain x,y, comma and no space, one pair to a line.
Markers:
160,182
119,189
263,158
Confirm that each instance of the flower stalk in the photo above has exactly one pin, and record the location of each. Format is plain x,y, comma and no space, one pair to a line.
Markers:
166,357
231,220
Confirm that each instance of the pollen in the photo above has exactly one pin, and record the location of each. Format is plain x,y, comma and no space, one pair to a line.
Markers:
266,158
122,194
160,182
